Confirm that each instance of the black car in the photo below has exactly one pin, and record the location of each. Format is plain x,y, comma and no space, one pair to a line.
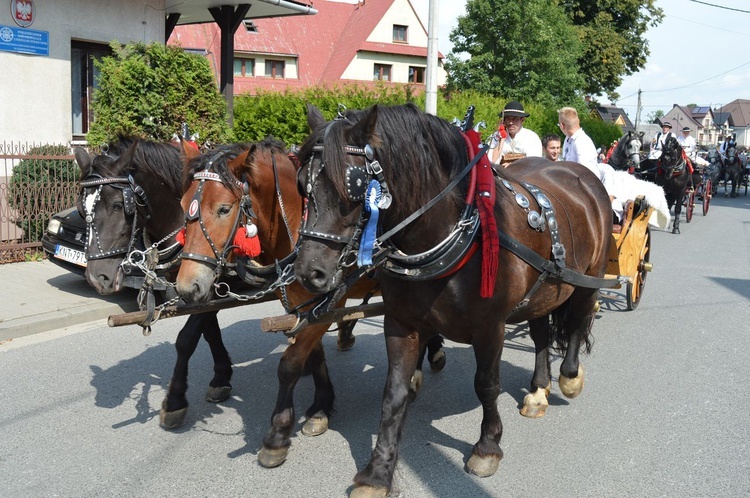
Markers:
64,245
64,240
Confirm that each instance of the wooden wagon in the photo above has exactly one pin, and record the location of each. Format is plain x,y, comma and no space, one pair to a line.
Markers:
630,250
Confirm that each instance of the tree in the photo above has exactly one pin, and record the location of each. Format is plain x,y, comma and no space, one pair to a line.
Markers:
150,90
653,116
612,32
523,50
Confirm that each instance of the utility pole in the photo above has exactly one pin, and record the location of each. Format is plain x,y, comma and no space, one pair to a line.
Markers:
638,111
432,60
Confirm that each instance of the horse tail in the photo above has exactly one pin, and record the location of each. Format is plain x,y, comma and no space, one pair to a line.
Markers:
561,331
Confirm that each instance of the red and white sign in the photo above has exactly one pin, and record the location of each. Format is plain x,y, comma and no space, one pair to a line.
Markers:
22,12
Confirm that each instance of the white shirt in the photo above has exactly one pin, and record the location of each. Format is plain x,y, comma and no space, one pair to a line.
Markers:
688,145
607,176
655,152
525,142
579,148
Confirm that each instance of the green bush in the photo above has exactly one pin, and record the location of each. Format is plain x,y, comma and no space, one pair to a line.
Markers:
39,188
283,114
150,90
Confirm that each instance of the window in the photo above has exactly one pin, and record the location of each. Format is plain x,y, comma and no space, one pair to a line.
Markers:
275,69
244,67
83,80
416,74
400,33
382,72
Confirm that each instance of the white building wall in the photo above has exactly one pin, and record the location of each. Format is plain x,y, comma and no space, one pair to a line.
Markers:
35,91
362,67
400,13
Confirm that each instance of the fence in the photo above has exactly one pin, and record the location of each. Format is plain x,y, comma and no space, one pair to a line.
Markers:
36,181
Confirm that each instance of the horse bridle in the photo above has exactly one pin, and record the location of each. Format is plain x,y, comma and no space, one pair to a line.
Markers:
131,193
358,181
220,259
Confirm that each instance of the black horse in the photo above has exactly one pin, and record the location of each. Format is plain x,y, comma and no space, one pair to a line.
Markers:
130,197
731,171
625,154
673,176
412,167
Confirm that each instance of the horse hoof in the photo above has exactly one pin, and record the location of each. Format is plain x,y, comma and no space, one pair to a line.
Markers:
171,420
368,492
535,404
345,344
483,466
416,381
315,425
571,387
218,394
272,457
437,362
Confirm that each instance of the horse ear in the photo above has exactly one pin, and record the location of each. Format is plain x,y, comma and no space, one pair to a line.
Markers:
83,159
241,162
125,161
187,151
365,127
640,135
315,118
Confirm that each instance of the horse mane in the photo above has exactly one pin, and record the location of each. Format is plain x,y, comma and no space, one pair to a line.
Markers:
158,159
223,154
414,149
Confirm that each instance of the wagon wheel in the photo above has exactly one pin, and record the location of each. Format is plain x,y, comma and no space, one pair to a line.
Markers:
689,204
706,196
634,288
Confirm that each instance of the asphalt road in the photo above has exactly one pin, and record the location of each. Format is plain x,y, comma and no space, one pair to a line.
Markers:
662,414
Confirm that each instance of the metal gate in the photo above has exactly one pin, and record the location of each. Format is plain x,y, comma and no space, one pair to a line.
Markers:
36,181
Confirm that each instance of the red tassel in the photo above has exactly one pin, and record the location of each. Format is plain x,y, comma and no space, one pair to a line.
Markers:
246,246
501,130
180,237
490,249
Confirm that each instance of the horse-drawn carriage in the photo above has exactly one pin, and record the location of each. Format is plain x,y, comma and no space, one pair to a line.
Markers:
235,194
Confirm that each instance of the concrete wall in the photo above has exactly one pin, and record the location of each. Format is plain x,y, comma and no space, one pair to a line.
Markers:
35,91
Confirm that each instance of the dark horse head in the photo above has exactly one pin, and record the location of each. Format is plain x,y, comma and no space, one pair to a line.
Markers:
626,154
129,197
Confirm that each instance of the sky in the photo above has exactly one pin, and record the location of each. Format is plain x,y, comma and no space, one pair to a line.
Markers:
697,54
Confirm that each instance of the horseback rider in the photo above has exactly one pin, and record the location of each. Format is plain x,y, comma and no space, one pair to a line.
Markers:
658,144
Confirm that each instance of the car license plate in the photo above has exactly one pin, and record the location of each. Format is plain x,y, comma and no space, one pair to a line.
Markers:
71,255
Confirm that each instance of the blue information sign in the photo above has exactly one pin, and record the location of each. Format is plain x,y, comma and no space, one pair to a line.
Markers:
24,40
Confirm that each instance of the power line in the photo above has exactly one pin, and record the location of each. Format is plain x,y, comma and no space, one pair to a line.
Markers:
688,85
720,6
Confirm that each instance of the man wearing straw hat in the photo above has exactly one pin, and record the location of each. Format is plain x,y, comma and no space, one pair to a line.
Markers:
513,141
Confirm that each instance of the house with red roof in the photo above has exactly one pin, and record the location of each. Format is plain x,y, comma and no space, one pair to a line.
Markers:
364,42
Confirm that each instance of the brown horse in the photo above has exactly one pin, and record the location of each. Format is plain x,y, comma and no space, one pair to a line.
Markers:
251,189
549,264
